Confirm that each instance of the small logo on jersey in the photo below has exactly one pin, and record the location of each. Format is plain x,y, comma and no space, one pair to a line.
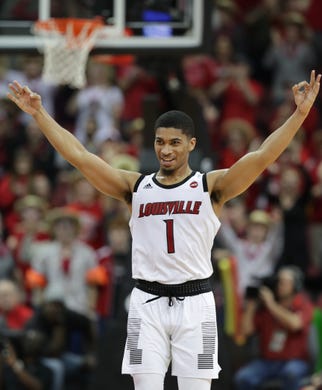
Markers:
147,186
194,184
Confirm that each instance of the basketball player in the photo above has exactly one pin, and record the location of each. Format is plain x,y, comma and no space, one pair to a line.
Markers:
173,223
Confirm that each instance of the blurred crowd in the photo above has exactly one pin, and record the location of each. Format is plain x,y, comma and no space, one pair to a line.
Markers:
65,248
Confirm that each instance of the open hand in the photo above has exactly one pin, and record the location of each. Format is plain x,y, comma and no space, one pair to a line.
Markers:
305,93
24,98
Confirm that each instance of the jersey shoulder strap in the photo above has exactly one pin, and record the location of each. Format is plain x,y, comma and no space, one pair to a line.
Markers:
139,180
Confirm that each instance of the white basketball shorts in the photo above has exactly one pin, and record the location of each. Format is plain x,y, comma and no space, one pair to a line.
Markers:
184,334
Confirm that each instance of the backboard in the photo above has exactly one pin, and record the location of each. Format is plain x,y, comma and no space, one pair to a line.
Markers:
154,25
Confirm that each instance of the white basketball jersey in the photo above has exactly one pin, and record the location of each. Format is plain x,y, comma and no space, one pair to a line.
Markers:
173,229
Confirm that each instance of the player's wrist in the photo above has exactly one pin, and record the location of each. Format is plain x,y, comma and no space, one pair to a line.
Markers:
302,114
38,112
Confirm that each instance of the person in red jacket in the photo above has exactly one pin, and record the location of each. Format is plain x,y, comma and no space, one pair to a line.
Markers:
281,319
29,229
14,314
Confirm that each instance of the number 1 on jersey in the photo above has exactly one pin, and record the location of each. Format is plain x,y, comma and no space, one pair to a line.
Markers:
170,238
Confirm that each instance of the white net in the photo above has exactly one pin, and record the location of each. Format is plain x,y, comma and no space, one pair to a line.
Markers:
66,55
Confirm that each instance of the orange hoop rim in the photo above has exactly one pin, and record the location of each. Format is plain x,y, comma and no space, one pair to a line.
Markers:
60,25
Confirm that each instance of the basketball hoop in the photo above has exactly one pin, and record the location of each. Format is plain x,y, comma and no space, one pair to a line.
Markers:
66,43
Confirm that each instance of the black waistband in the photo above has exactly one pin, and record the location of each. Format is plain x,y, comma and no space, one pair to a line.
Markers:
192,287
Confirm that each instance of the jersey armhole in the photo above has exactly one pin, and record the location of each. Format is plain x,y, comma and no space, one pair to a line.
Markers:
136,185
204,182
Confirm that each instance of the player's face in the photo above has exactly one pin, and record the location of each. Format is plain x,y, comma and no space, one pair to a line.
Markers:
172,148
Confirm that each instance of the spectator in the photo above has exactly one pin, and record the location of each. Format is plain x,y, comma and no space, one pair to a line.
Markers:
41,186
29,228
102,100
137,83
311,9
42,154
15,183
236,215
260,21
239,93
27,371
281,319
11,136
291,197
65,259
90,133
289,55
14,314
225,21
201,71
237,136
258,252
85,201
134,134
70,339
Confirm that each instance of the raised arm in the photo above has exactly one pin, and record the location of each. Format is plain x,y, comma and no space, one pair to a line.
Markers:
228,183
114,182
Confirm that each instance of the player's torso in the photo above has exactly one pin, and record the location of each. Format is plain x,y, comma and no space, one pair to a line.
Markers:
173,228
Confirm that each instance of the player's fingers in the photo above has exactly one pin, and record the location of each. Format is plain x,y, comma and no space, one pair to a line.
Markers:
17,85
15,88
14,97
318,79
297,87
294,88
302,85
29,92
312,79
27,89
11,97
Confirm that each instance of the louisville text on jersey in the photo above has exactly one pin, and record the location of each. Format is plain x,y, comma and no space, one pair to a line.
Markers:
173,207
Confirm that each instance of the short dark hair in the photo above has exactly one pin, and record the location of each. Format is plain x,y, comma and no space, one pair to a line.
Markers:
178,120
